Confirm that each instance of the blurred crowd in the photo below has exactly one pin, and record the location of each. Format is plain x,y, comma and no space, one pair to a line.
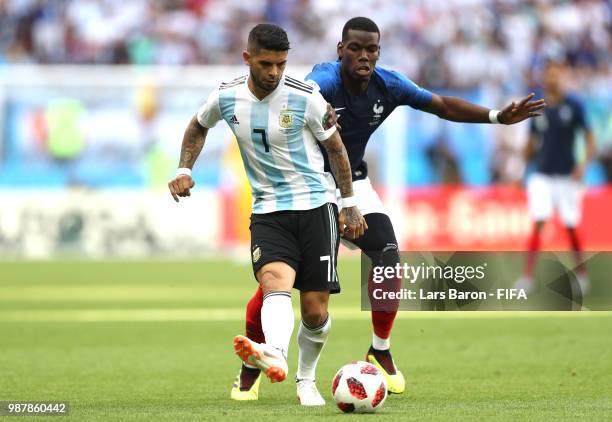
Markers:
485,50
453,44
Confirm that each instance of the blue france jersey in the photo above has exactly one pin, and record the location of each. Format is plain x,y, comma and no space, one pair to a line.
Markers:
361,115
277,137
555,133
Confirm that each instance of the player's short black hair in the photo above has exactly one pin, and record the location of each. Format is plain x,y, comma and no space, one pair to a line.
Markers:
267,36
359,23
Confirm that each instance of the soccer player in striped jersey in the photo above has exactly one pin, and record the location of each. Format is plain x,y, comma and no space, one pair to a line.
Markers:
277,121
364,95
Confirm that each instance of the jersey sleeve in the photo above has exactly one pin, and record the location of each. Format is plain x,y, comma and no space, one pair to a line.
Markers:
210,113
325,77
317,107
407,92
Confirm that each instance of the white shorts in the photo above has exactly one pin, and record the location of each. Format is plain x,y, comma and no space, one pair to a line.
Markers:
546,194
368,201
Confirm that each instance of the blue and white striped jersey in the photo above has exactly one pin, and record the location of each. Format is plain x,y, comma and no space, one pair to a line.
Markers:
278,138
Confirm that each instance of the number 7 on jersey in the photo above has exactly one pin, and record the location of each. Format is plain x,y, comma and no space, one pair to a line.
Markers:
264,138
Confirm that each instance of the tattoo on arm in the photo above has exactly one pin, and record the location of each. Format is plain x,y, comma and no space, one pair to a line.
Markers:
340,164
193,141
351,221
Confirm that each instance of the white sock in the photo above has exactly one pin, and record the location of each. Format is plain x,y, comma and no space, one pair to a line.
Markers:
277,320
310,343
380,343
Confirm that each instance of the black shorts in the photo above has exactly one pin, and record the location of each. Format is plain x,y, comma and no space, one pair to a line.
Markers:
378,242
306,240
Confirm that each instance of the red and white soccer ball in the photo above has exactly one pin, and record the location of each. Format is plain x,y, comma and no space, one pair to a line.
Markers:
359,387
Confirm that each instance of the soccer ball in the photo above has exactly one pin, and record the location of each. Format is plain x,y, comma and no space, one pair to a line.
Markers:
359,387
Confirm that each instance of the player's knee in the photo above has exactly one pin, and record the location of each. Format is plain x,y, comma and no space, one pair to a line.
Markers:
271,280
314,317
386,256
314,309
390,255
276,277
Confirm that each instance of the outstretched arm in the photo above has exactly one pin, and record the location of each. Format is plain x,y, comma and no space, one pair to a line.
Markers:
193,141
458,110
341,169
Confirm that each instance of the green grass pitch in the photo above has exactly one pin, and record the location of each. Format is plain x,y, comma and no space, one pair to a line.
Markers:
153,341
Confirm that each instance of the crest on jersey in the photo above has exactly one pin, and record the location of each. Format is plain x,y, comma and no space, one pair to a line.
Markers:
285,119
378,109
256,254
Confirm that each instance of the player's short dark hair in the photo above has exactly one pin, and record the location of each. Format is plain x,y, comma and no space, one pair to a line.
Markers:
359,23
267,36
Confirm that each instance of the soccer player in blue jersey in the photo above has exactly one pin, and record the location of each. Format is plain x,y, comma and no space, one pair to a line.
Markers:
364,95
277,121
556,181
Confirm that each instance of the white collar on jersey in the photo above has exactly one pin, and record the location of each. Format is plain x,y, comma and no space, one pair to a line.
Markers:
268,97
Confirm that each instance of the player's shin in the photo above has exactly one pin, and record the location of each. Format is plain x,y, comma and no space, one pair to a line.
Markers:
382,323
384,310
310,343
253,317
383,316
576,243
277,320
533,247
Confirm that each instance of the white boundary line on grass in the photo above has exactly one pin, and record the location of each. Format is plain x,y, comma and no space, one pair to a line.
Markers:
237,314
